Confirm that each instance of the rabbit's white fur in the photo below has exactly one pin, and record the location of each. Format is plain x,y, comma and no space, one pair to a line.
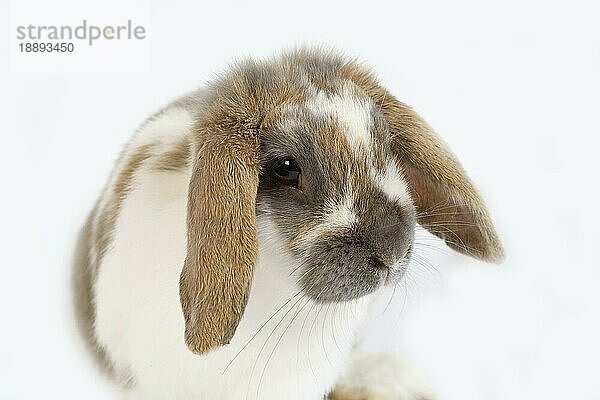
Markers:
297,354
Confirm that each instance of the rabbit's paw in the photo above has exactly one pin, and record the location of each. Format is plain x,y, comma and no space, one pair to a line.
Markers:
379,377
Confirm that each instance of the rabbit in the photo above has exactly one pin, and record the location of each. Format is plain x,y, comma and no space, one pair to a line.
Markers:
247,227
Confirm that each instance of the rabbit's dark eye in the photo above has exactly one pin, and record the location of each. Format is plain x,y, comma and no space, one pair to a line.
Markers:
287,172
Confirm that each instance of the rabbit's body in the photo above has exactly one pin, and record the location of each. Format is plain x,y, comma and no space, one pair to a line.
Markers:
246,227
284,341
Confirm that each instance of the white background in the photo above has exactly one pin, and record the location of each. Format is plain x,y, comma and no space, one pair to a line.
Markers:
513,87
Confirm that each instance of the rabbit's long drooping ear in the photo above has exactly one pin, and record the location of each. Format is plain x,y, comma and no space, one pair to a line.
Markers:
447,202
221,237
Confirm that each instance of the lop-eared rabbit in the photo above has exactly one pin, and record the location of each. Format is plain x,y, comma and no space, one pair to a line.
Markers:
247,227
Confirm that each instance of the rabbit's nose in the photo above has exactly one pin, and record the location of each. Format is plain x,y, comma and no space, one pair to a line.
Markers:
397,250
378,263
409,250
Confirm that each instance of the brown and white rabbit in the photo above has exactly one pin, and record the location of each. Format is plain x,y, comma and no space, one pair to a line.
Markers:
248,225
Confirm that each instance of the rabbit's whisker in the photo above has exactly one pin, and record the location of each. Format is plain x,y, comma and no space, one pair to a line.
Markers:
269,337
262,375
260,329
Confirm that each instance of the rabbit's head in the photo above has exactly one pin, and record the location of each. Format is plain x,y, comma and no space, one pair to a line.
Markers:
341,168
